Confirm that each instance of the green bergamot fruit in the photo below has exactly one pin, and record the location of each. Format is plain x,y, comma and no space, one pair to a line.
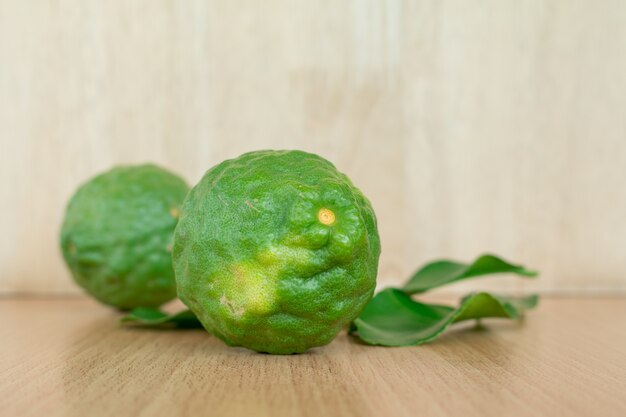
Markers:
117,235
276,251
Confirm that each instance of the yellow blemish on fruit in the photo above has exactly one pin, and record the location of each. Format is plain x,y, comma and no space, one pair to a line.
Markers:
277,257
255,288
326,216
174,212
237,312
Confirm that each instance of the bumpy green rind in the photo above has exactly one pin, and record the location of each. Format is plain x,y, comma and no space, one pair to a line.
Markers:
117,235
256,265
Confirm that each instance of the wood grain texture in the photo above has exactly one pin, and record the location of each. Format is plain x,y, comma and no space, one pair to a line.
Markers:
491,125
69,357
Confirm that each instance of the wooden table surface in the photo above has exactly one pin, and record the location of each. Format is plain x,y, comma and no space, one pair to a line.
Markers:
69,357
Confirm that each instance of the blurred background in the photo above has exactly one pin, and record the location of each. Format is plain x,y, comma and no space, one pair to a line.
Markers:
476,126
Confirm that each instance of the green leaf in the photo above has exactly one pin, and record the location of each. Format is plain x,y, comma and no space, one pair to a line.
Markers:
150,317
442,272
392,318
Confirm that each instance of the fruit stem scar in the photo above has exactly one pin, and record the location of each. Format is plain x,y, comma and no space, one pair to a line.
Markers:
326,216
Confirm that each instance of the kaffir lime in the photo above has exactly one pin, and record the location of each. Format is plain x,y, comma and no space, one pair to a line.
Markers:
276,251
117,235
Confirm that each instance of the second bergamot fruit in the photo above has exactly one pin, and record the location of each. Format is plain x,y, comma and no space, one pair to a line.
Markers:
276,251
117,235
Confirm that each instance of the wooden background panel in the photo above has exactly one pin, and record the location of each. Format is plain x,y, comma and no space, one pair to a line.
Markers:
495,125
